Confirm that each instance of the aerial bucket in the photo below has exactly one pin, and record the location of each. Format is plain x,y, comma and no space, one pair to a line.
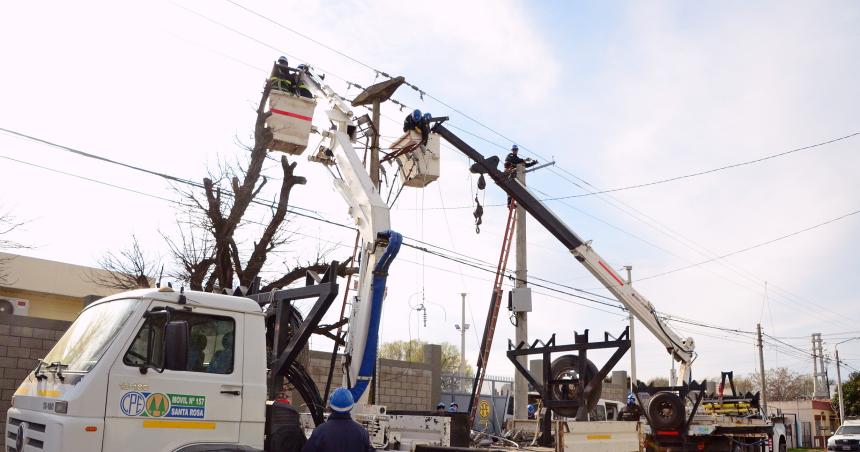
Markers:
290,121
418,166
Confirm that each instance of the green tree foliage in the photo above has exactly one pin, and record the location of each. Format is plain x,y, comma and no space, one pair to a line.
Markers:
413,351
851,392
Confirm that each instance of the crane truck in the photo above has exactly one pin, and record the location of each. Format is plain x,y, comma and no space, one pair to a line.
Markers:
675,417
175,370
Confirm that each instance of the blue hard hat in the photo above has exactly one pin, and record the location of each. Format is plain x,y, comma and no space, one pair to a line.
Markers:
453,407
631,398
440,405
282,60
532,409
515,148
427,116
341,400
416,115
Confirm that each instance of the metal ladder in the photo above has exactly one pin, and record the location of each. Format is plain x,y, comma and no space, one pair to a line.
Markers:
493,313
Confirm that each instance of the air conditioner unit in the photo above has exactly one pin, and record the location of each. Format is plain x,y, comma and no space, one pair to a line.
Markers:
16,306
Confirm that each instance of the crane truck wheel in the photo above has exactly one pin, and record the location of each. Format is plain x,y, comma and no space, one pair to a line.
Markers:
567,368
666,411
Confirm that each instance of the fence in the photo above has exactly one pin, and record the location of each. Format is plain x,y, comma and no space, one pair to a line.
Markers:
495,391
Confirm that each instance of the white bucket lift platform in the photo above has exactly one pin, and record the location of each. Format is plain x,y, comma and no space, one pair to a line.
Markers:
290,121
418,166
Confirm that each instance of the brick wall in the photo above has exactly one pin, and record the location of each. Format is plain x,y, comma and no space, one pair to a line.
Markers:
23,340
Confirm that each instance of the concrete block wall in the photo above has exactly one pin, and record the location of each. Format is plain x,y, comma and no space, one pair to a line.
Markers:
404,386
23,340
400,385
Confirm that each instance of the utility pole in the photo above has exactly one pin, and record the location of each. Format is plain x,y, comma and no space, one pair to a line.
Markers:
839,388
521,334
814,367
462,327
375,95
374,146
629,269
761,370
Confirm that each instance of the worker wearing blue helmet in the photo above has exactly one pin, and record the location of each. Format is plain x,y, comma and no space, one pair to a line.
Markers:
412,121
339,433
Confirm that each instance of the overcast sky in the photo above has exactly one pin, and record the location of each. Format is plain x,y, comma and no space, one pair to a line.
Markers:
618,93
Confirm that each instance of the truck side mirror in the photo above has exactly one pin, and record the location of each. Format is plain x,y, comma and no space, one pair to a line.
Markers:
176,345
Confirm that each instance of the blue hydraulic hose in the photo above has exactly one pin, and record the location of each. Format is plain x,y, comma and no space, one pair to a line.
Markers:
377,291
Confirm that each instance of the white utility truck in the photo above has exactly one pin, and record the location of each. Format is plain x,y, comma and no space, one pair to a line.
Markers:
166,370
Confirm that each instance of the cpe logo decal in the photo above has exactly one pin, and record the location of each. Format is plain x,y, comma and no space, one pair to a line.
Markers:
157,404
132,403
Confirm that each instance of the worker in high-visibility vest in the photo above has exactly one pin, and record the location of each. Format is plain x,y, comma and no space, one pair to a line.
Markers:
281,76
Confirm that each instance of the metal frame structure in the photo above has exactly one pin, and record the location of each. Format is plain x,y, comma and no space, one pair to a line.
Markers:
287,345
581,345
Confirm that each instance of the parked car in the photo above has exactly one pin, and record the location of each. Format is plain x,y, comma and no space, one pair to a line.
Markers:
847,437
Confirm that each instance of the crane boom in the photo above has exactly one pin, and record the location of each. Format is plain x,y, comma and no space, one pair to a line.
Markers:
681,349
379,245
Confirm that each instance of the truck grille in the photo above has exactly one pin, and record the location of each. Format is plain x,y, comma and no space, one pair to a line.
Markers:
848,442
12,434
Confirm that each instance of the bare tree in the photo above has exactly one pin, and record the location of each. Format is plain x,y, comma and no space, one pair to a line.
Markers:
129,269
8,225
210,251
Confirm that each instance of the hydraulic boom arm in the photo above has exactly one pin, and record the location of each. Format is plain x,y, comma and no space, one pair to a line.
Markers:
681,349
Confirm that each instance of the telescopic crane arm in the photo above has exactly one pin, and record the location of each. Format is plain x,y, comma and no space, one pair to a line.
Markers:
681,349
379,244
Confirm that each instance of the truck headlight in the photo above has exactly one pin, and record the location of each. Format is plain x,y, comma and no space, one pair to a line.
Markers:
61,407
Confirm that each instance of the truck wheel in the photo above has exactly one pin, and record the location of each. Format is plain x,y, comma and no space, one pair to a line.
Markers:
666,411
566,368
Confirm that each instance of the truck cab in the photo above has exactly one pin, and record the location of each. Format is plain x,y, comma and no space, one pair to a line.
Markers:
141,371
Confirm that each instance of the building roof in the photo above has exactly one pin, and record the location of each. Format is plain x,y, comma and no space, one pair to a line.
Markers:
60,278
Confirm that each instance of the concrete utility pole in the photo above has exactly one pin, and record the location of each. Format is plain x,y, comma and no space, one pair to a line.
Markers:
839,378
374,146
629,269
761,370
839,387
521,387
375,95
462,327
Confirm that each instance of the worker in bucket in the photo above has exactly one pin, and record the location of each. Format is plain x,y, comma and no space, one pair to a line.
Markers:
281,78
412,121
339,433
425,128
454,407
440,407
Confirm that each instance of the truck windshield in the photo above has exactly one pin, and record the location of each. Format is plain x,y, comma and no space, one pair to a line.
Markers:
89,336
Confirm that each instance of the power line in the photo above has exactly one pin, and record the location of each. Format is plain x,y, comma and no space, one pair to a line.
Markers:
709,171
177,179
759,245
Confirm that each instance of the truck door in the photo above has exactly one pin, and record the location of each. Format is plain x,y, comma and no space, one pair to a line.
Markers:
165,410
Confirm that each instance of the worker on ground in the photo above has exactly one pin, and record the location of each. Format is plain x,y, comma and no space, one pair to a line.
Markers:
453,407
339,433
440,407
631,412
412,122
281,78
